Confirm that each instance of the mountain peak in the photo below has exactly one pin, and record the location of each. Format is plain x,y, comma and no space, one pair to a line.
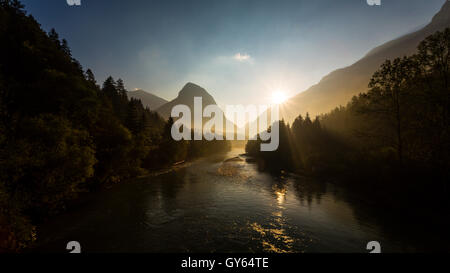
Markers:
191,90
191,85
186,97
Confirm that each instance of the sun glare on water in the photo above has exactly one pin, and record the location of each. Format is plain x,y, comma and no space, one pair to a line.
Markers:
278,97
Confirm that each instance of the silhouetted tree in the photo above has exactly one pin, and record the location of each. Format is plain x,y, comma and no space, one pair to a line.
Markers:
60,133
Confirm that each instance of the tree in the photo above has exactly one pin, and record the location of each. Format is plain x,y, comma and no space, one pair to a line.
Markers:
121,88
113,143
387,87
14,5
65,48
90,77
60,133
109,87
134,117
46,164
54,37
433,54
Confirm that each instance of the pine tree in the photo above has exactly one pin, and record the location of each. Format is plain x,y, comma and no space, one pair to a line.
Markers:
15,5
133,117
65,48
121,88
90,77
109,87
307,123
54,36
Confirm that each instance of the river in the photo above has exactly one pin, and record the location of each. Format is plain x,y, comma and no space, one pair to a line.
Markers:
214,205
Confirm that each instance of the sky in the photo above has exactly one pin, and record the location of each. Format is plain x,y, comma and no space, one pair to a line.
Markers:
241,51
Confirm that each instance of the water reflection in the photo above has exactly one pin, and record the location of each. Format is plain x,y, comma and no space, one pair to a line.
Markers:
280,193
273,236
222,206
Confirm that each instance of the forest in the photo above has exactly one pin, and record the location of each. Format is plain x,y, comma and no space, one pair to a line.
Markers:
62,134
391,143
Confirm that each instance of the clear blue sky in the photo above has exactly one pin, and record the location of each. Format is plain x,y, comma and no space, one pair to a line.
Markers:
239,50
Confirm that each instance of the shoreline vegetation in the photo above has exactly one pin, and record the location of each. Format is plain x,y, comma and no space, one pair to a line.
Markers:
391,143
62,134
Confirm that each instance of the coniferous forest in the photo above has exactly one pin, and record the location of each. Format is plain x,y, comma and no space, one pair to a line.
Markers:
62,133
392,141
65,135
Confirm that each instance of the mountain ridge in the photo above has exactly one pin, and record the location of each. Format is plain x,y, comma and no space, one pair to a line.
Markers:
148,99
339,86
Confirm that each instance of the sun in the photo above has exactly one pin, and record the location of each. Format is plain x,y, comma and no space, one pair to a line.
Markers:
278,97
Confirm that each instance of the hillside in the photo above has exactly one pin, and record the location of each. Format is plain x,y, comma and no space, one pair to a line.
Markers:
338,87
148,100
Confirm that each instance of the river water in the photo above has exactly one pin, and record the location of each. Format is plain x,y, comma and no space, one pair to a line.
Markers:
214,205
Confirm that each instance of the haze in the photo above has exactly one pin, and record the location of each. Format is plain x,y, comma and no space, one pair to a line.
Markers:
240,51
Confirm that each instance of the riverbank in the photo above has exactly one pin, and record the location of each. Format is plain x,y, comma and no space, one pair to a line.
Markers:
370,191
198,209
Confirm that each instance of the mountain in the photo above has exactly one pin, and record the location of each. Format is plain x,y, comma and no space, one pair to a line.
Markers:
186,97
338,87
148,100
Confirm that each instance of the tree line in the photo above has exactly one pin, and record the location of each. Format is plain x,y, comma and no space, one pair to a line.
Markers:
391,142
61,133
